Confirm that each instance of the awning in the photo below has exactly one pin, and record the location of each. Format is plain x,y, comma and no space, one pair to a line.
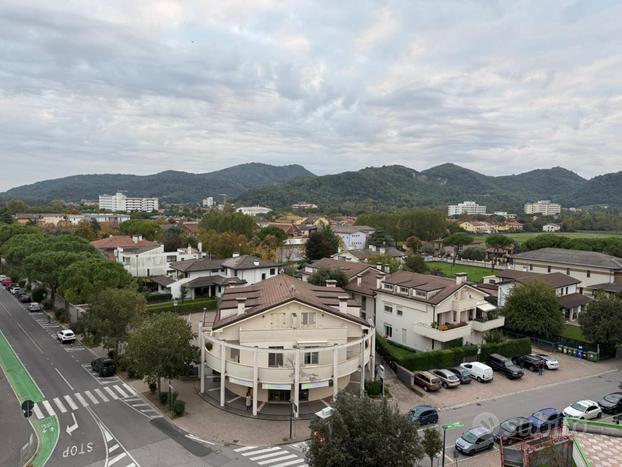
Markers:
486,307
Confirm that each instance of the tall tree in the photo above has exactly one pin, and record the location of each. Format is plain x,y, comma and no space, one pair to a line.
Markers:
457,240
173,238
81,281
320,245
415,263
149,230
362,432
533,308
274,231
234,222
47,267
601,321
498,242
157,354
413,244
432,443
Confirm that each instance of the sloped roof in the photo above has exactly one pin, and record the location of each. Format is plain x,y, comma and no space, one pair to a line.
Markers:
278,290
368,253
206,281
202,264
121,241
576,257
248,262
426,283
348,229
573,300
553,279
349,268
608,287
162,280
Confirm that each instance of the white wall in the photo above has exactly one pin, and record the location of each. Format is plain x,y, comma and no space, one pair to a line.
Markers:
597,276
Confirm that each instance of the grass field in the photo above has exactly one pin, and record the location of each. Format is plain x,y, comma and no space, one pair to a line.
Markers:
474,273
573,332
521,237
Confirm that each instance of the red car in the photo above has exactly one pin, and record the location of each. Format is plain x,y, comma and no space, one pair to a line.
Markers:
6,281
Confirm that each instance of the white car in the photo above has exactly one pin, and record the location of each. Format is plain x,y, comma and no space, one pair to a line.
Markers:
34,306
66,335
584,410
549,362
478,371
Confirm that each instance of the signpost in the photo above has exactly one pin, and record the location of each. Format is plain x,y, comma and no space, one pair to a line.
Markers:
449,426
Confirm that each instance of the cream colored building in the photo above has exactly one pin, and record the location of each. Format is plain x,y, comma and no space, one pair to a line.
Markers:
544,207
283,340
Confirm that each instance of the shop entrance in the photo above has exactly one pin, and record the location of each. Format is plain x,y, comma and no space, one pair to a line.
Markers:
279,395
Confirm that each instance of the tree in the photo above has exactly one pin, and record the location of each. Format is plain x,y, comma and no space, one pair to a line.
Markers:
413,244
160,347
533,308
432,443
498,242
320,245
457,240
322,275
363,432
274,231
85,229
173,238
415,263
234,222
380,239
47,266
223,245
474,253
600,321
111,315
16,205
81,281
149,230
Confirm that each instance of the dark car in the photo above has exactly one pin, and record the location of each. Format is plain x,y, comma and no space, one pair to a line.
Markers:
545,419
512,430
423,415
503,364
611,403
529,362
25,298
462,373
104,366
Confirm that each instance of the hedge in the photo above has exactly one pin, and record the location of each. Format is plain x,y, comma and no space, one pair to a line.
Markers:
189,306
155,297
447,358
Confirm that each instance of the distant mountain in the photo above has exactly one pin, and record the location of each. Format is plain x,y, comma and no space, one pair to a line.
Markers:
603,189
394,187
170,186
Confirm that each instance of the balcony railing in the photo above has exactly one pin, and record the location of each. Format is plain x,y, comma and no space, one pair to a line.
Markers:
483,325
444,332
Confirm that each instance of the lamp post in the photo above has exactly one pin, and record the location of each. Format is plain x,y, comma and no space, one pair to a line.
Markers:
449,426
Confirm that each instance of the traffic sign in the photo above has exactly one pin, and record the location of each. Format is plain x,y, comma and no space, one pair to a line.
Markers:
453,426
27,407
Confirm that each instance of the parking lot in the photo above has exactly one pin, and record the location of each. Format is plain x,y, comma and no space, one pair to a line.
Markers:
571,369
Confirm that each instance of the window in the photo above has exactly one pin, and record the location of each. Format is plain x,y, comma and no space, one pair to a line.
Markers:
548,269
263,276
275,359
567,271
235,355
419,293
308,318
127,260
399,312
387,286
531,267
388,309
312,358
388,330
272,271
404,290
363,302
589,273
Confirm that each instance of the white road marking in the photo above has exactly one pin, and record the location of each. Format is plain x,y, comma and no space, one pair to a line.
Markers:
71,403
261,451
121,391
112,448
131,465
129,388
245,448
49,408
280,452
92,397
270,461
111,392
294,462
116,459
81,399
101,395
140,405
196,438
60,405
108,436
64,379
37,412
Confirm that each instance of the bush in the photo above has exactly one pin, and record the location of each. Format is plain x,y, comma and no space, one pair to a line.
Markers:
152,387
47,304
372,388
133,374
155,297
39,294
61,315
163,396
189,306
474,253
21,283
179,407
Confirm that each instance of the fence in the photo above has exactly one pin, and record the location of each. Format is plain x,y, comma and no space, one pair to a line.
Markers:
574,348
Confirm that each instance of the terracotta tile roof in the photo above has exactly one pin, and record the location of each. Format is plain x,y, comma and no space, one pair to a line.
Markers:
348,267
368,253
192,227
121,241
278,290
426,283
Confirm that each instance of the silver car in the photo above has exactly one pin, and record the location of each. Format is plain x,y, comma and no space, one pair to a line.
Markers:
475,440
448,378
34,306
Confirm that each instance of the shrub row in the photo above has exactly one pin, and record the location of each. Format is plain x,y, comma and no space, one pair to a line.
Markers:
189,306
447,358
155,297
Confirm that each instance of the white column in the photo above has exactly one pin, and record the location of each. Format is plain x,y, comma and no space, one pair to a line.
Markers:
372,354
202,365
297,382
222,374
255,381
362,347
335,373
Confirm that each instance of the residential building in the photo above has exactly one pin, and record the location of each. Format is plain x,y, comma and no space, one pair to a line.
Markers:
208,202
291,229
362,282
362,256
41,218
427,312
123,203
304,205
504,214
283,340
152,260
551,228
293,249
315,221
479,227
253,210
466,207
544,207
514,225
607,288
73,219
590,267
354,237
109,244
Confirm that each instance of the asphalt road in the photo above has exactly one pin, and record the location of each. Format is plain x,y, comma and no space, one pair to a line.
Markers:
109,432
15,428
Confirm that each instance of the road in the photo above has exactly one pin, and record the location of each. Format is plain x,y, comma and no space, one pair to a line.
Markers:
102,422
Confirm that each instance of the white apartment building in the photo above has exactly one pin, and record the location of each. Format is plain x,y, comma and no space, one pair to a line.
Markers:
121,202
285,340
544,207
466,207
153,260
354,237
208,202
551,228
253,210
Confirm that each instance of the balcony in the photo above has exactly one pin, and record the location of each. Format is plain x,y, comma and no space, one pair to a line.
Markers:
483,325
452,332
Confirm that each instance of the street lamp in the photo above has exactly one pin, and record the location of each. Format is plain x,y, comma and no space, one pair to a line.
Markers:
449,426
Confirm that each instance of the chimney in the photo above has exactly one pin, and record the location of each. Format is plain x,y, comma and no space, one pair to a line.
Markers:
235,255
461,278
387,268
241,305
137,238
359,281
343,304
331,283
379,278
382,250
372,248
379,266
189,249
200,247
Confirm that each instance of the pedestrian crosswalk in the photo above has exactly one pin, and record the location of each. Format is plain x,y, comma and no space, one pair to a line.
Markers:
139,404
272,456
75,401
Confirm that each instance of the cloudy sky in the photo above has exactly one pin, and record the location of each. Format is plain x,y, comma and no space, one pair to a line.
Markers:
143,86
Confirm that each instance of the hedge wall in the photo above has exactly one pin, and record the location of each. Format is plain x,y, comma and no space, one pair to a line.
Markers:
447,358
189,306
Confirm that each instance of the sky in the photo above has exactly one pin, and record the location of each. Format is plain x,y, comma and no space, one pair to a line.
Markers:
139,86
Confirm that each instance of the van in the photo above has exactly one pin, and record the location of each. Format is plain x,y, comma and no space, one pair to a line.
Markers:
478,371
427,380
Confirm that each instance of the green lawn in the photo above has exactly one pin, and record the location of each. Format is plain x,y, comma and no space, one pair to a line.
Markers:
573,332
521,237
474,273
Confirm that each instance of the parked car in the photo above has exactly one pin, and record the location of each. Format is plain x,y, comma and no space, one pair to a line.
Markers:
512,430
475,440
25,298
478,371
6,281
104,366
584,410
427,380
34,306
463,374
530,362
545,419
448,379
423,415
549,362
15,290
611,403
66,335
504,365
